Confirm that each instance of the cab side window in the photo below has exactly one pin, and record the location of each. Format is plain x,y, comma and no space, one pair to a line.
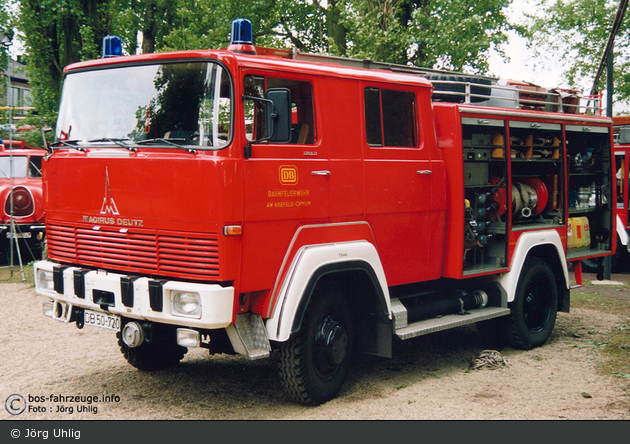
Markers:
390,118
35,167
303,115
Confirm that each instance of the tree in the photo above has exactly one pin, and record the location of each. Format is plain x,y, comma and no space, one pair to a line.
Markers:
5,27
452,34
55,34
449,34
455,34
576,31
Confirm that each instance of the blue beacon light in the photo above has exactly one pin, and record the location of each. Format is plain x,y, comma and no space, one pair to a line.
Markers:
112,46
241,40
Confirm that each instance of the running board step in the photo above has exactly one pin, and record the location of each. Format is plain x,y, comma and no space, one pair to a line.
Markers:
450,321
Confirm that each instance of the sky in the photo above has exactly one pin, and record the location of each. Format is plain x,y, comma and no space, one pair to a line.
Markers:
539,70
522,65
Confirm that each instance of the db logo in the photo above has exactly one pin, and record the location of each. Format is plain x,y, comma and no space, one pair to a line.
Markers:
288,175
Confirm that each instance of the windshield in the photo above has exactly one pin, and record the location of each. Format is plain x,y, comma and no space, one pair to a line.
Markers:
187,103
18,169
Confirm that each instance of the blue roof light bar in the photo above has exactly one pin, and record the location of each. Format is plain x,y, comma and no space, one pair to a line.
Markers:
241,39
112,46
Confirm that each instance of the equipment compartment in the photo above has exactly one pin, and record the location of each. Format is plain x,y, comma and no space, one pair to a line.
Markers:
485,246
537,174
589,190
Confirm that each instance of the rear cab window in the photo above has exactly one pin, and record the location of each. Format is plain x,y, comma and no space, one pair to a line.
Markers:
390,118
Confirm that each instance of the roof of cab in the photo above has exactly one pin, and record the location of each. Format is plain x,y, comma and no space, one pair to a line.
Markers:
267,60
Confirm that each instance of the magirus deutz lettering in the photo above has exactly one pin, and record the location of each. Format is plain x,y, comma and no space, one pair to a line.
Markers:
102,220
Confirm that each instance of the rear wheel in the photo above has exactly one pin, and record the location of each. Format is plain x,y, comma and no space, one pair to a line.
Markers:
535,306
618,261
314,363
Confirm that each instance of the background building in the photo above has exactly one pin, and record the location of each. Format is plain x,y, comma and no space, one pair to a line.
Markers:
19,97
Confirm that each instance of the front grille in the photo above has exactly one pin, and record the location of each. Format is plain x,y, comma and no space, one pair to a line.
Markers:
187,255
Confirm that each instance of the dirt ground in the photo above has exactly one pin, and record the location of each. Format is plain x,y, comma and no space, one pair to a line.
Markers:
429,378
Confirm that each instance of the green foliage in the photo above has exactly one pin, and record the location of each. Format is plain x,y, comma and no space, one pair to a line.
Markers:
455,34
5,26
577,32
56,33
450,34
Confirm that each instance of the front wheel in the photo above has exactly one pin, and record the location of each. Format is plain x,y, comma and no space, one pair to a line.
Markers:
314,363
535,306
159,352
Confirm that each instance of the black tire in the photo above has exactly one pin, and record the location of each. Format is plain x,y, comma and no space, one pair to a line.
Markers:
618,261
589,265
314,363
535,306
162,351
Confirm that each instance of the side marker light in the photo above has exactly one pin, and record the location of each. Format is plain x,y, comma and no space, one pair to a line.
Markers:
232,230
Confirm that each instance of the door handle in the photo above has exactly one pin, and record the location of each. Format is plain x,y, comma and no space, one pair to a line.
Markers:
321,173
424,172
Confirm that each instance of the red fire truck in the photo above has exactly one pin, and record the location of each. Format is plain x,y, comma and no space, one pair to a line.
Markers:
621,134
259,201
22,222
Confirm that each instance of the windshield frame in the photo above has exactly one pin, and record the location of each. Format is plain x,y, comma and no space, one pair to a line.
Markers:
151,143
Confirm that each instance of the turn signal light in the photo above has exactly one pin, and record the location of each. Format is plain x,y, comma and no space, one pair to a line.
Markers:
232,230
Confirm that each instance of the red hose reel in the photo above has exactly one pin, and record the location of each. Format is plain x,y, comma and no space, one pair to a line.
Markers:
529,197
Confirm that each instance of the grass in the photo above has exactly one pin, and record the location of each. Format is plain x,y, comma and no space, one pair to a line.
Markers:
15,273
614,345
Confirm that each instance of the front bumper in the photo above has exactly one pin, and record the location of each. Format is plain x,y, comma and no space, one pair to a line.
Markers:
134,297
31,232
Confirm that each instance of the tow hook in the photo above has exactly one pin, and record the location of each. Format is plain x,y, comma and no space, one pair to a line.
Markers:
78,316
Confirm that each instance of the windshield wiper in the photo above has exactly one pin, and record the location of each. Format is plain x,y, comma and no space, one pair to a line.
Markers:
118,142
70,143
168,142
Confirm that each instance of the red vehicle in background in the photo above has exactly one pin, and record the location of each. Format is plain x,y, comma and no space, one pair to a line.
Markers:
22,202
621,134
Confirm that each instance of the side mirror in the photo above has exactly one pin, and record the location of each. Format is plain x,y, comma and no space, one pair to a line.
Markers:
278,115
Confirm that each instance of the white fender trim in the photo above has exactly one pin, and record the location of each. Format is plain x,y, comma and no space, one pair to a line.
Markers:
306,262
525,243
622,233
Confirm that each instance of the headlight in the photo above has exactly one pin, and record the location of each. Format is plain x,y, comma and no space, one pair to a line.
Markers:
186,303
45,280
22,202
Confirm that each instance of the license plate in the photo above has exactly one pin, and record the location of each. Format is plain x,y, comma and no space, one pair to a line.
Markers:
18,235
102,320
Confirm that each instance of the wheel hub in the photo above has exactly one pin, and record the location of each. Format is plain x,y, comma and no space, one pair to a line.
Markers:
331,344
536,310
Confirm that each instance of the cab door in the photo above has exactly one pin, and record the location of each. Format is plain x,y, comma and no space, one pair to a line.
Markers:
286,185
399,180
